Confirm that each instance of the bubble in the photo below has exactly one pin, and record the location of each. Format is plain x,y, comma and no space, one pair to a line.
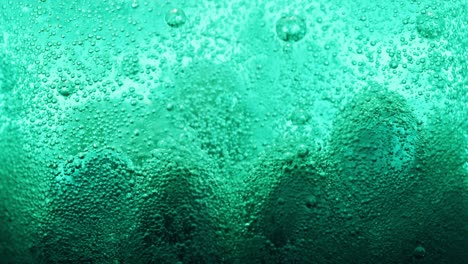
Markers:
291,28
419,252
302,151
299,117
311,201
175,17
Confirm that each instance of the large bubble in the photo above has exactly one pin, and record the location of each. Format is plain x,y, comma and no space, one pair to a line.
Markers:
291,28
176,17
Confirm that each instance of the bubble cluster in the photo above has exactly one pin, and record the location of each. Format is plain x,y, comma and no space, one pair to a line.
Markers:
130,65
291,28
296,204
8,73
430,25
183,220
92,193
66,89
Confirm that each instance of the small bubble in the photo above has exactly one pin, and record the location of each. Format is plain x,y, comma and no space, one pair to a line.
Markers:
175,17
291,28
419,252
393,64
311,201
169,107
302,151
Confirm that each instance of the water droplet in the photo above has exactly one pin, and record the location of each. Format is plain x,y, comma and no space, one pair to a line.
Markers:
291,28
175,17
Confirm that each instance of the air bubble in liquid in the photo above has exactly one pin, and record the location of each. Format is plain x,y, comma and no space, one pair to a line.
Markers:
291,28
175,17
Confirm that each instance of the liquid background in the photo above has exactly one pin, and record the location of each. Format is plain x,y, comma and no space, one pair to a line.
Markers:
368,100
